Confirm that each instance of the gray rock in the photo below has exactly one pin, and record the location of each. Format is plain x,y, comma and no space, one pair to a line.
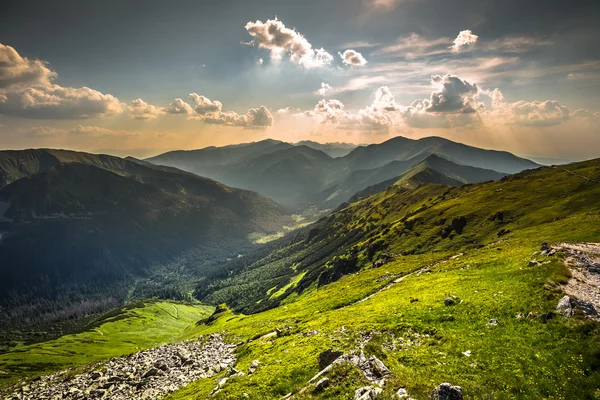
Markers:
447,392
567,305
253,367
367,393
449,301
402,393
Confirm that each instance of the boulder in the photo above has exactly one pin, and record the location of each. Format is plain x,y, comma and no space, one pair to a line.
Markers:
447,392
567,305
367,393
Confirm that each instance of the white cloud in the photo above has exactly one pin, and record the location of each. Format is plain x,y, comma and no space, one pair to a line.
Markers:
359,44
325,87
452,95
16,70
178,106
464,40
26,90
57,102
414,45
353,58
203,105
255,118
139,109
274,36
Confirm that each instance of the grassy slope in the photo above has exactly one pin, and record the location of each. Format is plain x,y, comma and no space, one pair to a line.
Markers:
524,358
132,329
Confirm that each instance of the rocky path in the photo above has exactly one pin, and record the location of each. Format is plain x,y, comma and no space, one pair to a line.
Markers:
150,374
583,260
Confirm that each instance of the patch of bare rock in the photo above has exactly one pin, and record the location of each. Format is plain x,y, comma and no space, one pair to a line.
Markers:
150,374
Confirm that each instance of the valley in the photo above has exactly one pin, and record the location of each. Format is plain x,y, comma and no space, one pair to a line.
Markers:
418,283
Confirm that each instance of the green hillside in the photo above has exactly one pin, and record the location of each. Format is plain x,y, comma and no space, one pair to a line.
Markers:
399,311
123,331
80,232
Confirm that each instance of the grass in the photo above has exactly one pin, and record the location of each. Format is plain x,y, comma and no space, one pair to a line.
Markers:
128,330
423,341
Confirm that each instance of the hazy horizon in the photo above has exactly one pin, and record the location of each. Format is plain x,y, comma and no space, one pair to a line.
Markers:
359,71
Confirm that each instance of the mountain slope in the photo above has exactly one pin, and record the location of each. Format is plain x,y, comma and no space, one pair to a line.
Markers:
334,150
304,175
203,161
411,219
387,175
401,148
75,231
286,176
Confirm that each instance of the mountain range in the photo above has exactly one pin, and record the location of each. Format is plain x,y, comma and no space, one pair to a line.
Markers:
76,225
305,175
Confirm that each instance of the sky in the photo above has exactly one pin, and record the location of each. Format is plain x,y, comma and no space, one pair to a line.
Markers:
142,77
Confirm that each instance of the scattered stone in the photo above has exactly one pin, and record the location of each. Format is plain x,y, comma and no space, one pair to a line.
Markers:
493,322
447,392
531,315
533,263
544,246
253,367
449,301
327,357
520,316
322,384
367,393
150,374
567,305
467,353
402,393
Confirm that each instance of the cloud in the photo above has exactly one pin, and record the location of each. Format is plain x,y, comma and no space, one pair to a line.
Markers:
384,100
178,106
139,109
414,45
99,132
43,131
255,118
353,58
325,87
274,36
382,4
359,44
514,44
378,116
586,115
452,95
535,113
26,90
464,40
16,70
203,105
57,102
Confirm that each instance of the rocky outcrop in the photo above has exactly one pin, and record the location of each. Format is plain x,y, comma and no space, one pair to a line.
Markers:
567,306
150,374
447,392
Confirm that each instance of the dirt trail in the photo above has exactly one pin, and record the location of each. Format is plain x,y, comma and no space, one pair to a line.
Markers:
576,174
583,260
400,279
